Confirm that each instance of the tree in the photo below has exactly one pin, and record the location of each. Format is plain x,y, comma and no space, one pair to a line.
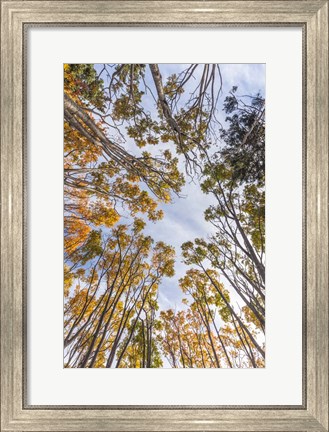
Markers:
209,333
237,249
102,181
184,341
187,124
244,149
111,297
113,270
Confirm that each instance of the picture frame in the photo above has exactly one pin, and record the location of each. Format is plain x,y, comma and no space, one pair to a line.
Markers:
312,17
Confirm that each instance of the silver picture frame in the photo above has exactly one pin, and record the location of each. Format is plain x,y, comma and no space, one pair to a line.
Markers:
16,18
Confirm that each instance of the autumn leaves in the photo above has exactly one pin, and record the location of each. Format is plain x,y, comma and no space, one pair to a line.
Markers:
112,188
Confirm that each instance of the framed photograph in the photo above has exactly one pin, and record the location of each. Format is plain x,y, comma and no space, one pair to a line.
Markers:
152,154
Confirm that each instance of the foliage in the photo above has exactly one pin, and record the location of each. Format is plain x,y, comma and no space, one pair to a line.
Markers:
123,163
245,137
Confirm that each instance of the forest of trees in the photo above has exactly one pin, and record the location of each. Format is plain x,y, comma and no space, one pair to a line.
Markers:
132,139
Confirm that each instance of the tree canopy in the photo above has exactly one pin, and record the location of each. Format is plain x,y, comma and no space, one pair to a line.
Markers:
132,140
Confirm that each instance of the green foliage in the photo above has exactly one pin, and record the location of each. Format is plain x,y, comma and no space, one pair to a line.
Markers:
244,149
82,81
